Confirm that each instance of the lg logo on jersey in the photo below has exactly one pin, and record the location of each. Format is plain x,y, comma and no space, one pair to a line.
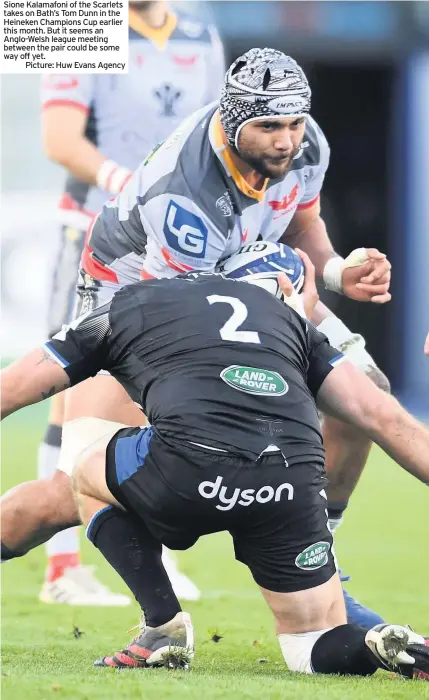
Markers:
211,489
184,231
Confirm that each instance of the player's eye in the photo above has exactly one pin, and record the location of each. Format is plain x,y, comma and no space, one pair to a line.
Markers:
295,124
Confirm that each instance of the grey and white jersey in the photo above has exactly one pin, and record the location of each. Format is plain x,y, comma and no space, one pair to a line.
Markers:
187,207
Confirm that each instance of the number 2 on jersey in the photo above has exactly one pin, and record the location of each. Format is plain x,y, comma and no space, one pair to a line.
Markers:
229,330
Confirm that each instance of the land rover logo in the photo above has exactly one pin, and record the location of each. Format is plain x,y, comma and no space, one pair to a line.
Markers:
313,557
254,381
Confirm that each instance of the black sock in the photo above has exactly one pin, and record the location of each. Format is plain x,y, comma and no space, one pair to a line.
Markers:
7,554
343,650
135,554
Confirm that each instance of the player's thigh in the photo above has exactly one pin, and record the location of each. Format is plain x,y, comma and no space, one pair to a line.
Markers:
286,543
317,608
102,397
89,475
152,480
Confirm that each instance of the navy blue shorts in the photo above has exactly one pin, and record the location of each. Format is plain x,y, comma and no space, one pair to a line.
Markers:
275,514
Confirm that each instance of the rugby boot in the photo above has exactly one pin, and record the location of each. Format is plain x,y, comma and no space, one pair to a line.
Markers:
399,649
171,645
79,586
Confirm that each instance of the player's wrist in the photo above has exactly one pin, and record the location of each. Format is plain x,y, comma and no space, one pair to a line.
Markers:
333,274
112,177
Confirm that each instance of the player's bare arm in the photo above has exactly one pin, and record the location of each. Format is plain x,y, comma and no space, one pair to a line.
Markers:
349,395
307,231
65,142
33,378
365,276
63,128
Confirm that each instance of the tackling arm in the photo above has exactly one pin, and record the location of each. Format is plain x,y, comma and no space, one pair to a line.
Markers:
33,378
349,395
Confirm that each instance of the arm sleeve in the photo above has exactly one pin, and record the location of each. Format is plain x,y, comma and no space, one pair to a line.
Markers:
313,185
81,348
322,358
215,66
68,90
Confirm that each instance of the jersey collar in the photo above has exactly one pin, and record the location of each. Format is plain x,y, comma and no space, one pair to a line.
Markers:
158,35
217,140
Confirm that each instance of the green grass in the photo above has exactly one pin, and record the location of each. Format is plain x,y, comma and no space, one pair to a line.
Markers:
383,544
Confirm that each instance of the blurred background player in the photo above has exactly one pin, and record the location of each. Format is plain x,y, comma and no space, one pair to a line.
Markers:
100,127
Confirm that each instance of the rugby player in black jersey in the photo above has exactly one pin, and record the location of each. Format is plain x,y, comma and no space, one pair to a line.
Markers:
229,377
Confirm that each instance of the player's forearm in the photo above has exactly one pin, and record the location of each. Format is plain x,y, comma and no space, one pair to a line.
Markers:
403,437
348,394
33,378
78,155
313,240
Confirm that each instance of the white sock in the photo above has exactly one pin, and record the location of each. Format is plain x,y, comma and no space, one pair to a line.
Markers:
297,648
67,541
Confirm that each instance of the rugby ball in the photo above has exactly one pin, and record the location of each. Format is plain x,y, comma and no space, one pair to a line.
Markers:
260,263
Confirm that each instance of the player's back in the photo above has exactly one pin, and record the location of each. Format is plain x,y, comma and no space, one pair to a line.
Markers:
217,362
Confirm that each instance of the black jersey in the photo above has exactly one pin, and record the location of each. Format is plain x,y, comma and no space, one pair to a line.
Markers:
211,360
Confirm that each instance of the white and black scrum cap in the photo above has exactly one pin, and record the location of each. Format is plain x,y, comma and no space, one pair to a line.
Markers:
261,84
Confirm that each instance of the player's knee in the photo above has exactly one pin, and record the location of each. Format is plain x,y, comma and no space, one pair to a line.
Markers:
58,504
379,378
79,477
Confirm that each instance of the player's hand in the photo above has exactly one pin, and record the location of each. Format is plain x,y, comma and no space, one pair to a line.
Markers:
370,280
427,345
309,296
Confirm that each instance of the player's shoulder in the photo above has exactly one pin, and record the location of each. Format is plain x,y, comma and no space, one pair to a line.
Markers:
186,166
191,29
314,148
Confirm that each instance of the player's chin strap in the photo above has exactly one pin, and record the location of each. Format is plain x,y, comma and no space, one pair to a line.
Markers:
334,268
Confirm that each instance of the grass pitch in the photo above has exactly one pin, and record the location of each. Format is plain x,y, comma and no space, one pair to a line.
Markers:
48,650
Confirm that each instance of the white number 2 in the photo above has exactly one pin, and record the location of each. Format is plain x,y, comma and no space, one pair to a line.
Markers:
229,329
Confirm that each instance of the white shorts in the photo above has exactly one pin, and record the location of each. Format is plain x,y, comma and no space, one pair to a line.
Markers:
81,435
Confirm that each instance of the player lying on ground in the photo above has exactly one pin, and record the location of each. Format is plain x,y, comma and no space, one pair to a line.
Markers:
228,376
249,167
